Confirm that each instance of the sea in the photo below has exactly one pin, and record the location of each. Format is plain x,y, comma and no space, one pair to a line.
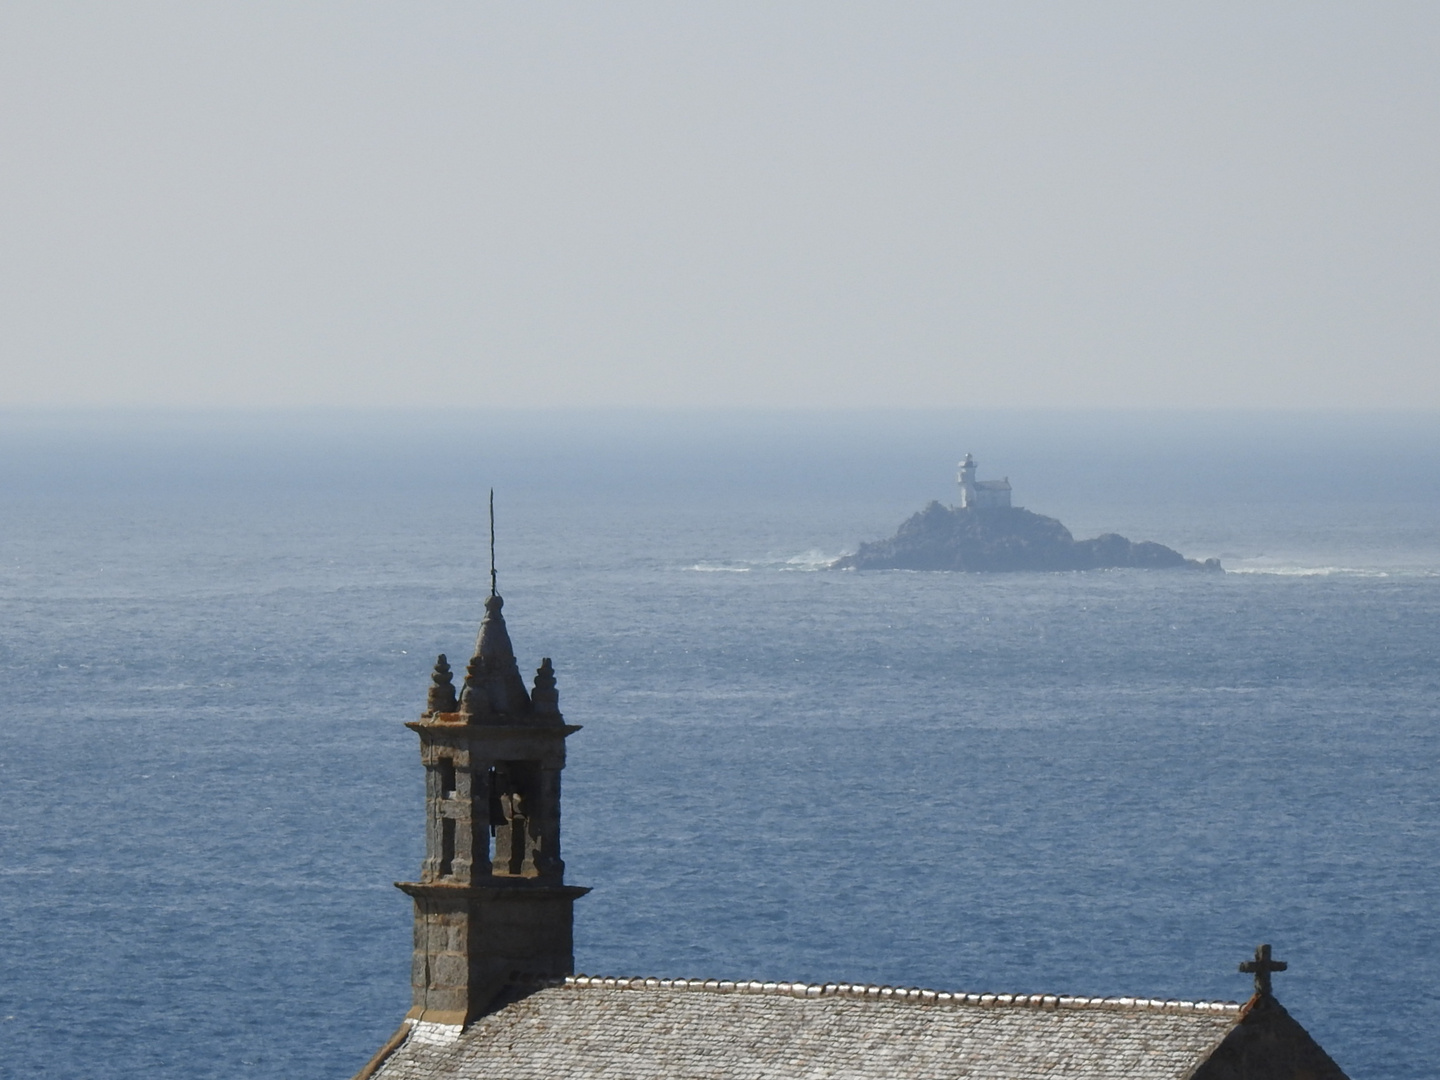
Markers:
214,626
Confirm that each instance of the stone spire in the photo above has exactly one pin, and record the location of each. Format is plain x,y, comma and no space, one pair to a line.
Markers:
494,689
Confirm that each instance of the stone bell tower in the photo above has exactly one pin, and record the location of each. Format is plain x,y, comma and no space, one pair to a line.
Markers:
491,906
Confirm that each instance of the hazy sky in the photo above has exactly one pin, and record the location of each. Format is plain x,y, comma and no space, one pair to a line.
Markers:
789,204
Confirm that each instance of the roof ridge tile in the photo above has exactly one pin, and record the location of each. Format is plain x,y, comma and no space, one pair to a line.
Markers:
870,991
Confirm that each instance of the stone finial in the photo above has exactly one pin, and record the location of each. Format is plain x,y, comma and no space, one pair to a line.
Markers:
441,698
545,698
1261,967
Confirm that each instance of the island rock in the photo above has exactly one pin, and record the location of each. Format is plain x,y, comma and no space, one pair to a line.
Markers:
999,538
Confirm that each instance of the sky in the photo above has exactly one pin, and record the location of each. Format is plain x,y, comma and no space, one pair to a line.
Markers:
822,205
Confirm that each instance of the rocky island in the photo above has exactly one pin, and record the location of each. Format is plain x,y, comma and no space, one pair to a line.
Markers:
985,533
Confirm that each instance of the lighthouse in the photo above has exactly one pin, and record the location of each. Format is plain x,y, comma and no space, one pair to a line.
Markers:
981,494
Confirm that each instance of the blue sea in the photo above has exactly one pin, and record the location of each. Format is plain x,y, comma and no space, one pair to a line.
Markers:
213,627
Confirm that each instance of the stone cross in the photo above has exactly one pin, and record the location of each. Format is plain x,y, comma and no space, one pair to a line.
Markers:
1261,967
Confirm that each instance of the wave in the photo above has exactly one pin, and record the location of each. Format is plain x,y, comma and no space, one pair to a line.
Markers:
1330,571
806,561
814,559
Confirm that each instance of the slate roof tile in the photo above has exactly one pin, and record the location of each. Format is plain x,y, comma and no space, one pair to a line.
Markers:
638,1029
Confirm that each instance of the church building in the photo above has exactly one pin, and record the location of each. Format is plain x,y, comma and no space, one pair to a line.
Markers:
495,994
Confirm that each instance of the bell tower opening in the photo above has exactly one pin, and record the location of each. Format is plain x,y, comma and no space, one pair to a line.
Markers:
445,770
514,789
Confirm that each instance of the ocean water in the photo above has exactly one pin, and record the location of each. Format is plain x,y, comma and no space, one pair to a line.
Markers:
212,629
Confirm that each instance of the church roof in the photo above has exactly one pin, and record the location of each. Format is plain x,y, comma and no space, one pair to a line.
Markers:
637,1029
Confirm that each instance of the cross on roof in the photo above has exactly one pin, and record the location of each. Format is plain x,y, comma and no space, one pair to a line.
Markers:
1261,967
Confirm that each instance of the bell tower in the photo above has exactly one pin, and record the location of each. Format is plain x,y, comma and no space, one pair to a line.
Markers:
491,904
